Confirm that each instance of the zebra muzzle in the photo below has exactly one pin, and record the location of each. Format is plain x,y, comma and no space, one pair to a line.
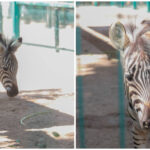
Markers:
12,91
146,124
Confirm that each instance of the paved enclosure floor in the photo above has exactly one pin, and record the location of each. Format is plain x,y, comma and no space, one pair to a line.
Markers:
99,84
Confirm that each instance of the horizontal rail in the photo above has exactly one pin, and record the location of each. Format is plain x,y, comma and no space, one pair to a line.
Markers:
47,46
52,4
97,34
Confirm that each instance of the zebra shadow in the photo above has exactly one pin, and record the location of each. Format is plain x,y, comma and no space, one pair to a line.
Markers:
37,119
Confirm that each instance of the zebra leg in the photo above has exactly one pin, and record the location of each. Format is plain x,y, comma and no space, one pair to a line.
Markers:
139,136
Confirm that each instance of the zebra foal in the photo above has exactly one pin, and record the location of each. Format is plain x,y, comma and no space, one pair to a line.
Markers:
9,64
134,45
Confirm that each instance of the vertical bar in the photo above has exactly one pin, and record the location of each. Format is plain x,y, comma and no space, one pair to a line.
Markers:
16,20
135,5
148,6
112,3
64,17
95,3
122,4
80,94
121,103
1,19
57,29
78,40
77,3
49,17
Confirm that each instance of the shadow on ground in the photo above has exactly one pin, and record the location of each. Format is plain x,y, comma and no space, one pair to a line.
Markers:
51,129
98,67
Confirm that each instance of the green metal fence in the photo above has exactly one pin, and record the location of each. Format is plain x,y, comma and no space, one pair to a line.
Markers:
79,90
56,7
135,4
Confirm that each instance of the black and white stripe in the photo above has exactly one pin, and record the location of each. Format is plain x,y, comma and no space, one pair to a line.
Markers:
135,46
9,64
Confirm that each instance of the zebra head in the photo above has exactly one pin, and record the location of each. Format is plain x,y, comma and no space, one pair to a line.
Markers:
9,64
134,44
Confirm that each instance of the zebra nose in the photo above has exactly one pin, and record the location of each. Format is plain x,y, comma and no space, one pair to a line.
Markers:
12,91
146,124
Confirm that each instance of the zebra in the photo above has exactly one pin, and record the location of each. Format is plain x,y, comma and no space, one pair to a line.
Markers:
9,64
134,44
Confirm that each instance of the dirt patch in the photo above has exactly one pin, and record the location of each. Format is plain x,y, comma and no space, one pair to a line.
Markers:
99,74
46,125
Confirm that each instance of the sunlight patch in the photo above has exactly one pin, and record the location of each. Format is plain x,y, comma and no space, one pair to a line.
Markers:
58,132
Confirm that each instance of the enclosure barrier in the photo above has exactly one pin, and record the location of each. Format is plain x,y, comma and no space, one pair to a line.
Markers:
1,23
112,3
121,102
55,6
80,93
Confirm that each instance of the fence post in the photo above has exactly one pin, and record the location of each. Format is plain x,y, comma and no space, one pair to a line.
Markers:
148,6
122,4
64,11
95,3
121,102
16,20
135,5
80,93
78,3
49,17
57,29
1,19
112,3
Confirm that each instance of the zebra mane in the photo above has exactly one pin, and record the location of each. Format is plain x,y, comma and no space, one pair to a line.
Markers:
139,36
9,45
5,42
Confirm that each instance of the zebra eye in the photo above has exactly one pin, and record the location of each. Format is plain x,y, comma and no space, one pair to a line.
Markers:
129,76
138,109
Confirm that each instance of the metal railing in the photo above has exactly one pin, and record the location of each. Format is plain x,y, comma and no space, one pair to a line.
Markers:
111,3
55,6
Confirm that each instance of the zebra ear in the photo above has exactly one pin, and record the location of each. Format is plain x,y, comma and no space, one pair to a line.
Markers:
117,35
16,44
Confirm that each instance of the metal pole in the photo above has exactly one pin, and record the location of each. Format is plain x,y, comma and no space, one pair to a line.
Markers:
112,3
64,12
49,17
121,103
77,3
95,3
135,5
57,29
148,6
16,20
80,94
1,19
122,4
